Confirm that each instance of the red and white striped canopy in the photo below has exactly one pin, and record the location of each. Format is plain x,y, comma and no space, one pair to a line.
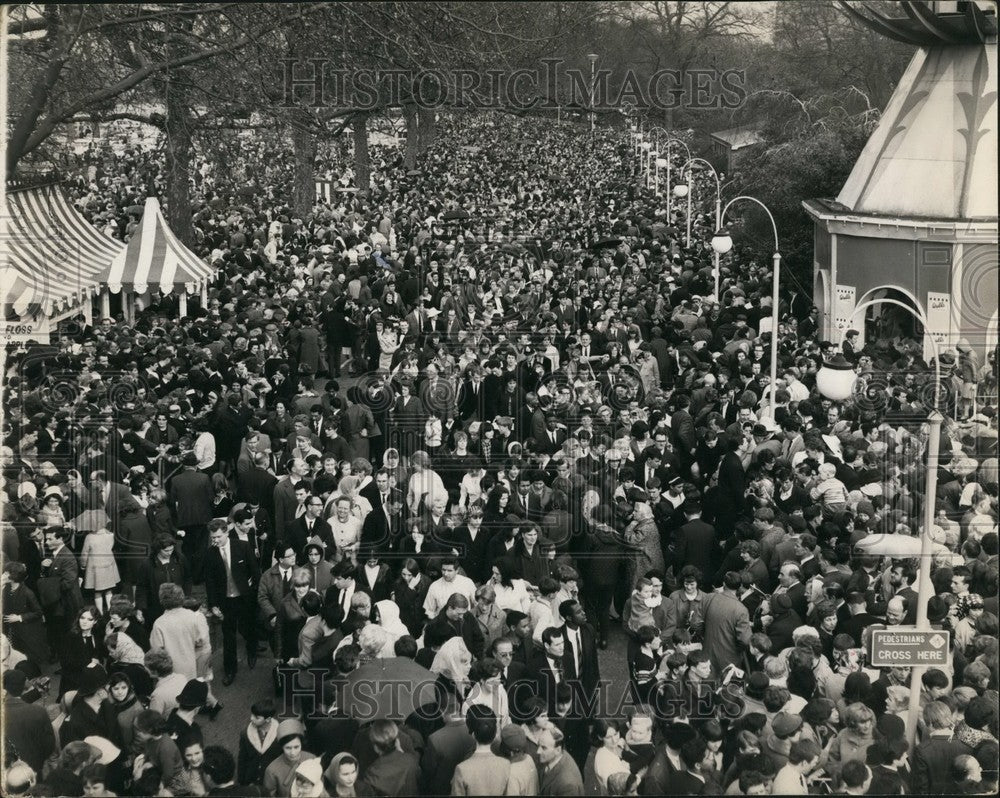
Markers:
155,258
55,257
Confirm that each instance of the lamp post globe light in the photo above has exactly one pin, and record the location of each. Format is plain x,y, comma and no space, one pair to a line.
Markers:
681,190
722,242
836,379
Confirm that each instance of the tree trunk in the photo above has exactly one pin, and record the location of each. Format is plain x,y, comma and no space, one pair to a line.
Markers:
427,128
362,164
38,97
178,158
304,185
412,137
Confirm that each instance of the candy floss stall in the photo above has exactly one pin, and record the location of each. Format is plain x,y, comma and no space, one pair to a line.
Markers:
53,263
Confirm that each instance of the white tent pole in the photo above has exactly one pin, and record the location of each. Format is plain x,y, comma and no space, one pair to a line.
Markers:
183,304
105,303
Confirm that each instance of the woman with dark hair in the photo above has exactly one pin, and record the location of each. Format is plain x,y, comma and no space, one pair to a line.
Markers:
409,593
532,566
166,565
22,615
83,646
606,737
192,777
510,593
223,501
495,510
127,705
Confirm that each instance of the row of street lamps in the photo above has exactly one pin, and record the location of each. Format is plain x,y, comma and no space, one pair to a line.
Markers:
835,380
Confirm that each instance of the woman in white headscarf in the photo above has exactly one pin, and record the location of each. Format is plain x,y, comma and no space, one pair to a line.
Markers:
452,664
388,619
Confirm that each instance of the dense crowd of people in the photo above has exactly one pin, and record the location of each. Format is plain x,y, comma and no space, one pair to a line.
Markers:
446,455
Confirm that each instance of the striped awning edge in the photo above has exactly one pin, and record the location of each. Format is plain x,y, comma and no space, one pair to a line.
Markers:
53,256
154,257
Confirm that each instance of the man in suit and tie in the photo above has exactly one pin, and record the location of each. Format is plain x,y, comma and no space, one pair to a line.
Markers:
379,493
318,422
285,502
275,584
191,499
549,666
257,484
115,498
309,526
552,437
450,327
790,582
61,564
344,587
558,774
472,396
513,676
231,583
580,647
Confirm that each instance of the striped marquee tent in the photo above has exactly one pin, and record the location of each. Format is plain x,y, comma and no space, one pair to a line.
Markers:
55,259
155,259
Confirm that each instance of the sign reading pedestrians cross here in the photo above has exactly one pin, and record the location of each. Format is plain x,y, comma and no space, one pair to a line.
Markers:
906,647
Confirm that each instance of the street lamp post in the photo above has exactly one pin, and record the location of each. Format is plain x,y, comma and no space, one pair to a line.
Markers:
660,163
593,90
645,147
722,242
670,141
838,383
718,209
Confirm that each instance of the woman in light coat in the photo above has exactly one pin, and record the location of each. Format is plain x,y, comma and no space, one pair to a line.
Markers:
100,571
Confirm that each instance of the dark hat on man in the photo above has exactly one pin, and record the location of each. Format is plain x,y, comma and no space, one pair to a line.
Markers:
92,679
937,609
190,459
785,724
194,694
757,683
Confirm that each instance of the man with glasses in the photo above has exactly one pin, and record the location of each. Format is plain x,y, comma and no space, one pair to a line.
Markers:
310,527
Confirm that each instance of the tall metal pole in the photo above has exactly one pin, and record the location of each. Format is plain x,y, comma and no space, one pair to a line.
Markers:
687,244
593,91
924,587
776,259
670,218
718,226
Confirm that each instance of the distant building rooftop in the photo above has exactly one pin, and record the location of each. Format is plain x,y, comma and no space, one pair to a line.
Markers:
736,138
